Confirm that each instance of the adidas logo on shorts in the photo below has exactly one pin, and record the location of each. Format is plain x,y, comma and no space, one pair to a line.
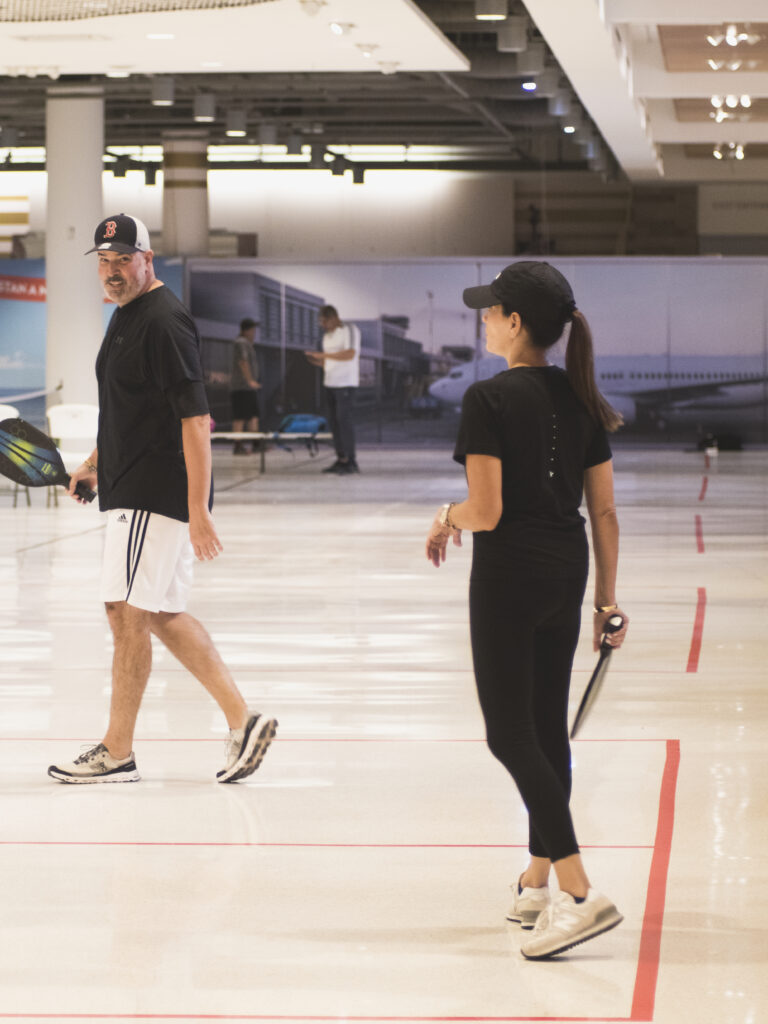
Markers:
122,518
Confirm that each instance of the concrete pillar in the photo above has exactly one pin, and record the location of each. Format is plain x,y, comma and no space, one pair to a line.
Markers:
74,144
185,195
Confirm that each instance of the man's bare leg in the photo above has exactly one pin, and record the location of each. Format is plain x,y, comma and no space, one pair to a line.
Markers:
131,664
189,642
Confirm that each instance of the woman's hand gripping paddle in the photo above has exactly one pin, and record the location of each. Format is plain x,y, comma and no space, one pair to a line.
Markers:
613,625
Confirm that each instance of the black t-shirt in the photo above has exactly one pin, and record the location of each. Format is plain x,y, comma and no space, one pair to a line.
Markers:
150,377
530,418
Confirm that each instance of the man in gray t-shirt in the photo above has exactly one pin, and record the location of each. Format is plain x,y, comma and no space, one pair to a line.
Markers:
245,383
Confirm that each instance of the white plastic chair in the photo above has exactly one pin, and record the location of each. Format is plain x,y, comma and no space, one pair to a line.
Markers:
73,427
10,412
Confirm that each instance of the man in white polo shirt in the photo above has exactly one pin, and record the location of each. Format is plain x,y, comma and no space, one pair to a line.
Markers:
340,360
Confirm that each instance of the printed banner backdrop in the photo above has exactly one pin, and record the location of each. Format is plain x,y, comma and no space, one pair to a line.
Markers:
681,345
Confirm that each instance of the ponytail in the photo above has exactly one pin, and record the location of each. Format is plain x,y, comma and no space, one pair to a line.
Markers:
580,367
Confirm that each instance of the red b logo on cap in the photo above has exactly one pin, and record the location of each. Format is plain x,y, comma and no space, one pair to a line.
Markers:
110,229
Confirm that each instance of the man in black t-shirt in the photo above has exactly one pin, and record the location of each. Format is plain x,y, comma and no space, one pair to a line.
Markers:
152,464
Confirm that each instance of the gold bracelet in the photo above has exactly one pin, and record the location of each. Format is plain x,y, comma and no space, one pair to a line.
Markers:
602,609
90,466
448,522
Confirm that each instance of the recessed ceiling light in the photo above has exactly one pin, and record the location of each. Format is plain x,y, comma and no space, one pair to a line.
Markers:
529,86
341,28
569,129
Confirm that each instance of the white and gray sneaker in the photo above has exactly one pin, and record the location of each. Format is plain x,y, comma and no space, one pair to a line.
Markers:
527,904
246,748
568,923
96,765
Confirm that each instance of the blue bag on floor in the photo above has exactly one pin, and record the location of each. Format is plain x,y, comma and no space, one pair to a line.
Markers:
302,423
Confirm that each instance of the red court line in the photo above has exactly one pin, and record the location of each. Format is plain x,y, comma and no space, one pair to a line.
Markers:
313,846
698,631
646,977
650,936
319,739
699,534
703,490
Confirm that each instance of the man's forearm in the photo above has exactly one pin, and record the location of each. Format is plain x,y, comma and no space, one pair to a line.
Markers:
196,440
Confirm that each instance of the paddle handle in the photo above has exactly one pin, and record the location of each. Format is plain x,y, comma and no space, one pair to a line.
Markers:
613,625
83,490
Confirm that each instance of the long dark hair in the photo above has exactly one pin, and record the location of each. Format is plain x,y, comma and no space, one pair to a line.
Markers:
545,323
580,367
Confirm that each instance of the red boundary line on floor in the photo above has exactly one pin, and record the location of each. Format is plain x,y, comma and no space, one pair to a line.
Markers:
646,977
650,936
698,630
699,534
703,491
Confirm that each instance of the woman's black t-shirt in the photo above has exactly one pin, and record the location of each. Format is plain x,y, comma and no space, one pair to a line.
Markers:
530,418
150,377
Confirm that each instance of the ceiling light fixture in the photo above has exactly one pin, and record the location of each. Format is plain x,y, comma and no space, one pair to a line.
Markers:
531,61
9,137
367,48
162,92
732,37
205,107
559,105
528,86
731,101
730,151
491,10
119,72
389,67
512,35
311,7
267,134
569,129
341,28
746,102
237,124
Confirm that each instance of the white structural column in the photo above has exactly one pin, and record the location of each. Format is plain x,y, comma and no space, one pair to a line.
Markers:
185,195
74,146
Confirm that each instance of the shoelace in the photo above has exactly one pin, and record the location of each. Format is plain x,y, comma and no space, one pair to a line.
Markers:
89,752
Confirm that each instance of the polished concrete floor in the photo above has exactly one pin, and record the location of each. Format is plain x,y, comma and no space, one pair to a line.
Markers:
363,872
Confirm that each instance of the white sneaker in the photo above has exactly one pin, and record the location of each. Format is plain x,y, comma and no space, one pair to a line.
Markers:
246,748
527,904
96,765
568,923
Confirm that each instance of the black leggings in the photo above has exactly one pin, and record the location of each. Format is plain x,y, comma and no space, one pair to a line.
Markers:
524,636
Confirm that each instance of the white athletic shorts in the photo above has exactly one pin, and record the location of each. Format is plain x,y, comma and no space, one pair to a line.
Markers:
148,561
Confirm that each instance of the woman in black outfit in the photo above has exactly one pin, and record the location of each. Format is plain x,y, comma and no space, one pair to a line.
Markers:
533,439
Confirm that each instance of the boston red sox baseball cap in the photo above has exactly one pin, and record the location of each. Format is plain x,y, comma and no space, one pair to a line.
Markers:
531,287
121,233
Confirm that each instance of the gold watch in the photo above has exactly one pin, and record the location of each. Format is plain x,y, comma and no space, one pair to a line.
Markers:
444,517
